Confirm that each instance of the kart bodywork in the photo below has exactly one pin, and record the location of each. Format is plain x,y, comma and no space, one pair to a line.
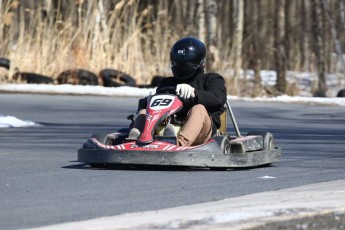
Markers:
220,152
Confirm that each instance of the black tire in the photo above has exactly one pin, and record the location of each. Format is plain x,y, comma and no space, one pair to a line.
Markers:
115,78
218,169
268,139
98,165
226,146
144,86
341,93
32,78
77,77
4,62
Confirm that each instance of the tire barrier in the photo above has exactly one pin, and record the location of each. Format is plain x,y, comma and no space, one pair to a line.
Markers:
107,77
115,78
154,82
341,93
77,77
4,62
32,78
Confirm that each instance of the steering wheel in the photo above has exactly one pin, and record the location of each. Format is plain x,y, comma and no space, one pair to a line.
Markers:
171,90
167,89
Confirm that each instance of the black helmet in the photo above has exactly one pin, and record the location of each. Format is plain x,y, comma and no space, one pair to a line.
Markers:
187,57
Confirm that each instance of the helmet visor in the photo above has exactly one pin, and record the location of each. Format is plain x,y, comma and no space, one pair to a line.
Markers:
182,70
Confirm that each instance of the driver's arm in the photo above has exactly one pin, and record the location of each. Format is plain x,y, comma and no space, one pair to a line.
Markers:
213,95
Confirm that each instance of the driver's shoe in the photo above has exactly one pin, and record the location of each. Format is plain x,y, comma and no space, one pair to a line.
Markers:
134,134
169,130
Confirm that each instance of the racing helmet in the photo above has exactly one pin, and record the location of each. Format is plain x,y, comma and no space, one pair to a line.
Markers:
187,58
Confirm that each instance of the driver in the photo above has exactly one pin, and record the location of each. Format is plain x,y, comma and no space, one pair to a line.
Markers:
203,95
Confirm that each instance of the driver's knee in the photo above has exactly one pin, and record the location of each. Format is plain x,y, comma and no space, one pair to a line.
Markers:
198,110
139,122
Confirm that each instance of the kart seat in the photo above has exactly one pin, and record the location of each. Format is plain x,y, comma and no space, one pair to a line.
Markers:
223,122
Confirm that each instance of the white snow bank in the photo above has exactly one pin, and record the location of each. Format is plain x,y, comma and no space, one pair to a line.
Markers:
77,89
338,101
142,92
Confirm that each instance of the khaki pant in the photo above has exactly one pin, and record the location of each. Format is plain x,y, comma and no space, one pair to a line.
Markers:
196,130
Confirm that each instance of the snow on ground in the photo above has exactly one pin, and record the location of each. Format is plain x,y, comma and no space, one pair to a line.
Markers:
13,122
76,89
304,81
7,121
336,101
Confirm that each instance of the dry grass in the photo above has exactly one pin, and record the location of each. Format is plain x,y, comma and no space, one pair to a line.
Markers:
129,38
125,40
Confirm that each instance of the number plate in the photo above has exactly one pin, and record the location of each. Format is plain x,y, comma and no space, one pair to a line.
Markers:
159,102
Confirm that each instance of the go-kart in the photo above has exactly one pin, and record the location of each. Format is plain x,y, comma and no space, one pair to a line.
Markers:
152,148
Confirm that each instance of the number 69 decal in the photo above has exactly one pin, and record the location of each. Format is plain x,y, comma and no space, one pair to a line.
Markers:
159,102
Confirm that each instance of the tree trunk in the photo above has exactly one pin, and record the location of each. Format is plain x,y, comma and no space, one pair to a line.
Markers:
334,35
288,32
237,45
303,37
201,21
280,58
342,12
212,54
318,47
256,47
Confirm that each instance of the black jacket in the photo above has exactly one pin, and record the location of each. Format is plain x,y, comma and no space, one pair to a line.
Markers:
210,91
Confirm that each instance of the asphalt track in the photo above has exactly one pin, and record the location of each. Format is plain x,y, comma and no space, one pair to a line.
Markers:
42,184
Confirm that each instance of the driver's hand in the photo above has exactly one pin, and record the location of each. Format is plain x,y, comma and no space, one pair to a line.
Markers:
185,91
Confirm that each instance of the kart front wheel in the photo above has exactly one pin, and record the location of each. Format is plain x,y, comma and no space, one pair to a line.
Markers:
226,145
268,139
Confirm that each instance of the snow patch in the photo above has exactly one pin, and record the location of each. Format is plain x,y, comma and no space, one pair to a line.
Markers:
338,101
266,177
77,89
13,122
234,217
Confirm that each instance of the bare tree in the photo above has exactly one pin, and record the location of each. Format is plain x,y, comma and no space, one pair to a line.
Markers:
288,31
211,41
237,44
342,12
280,57
256,46
201,21
334,34
303,36
318,45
